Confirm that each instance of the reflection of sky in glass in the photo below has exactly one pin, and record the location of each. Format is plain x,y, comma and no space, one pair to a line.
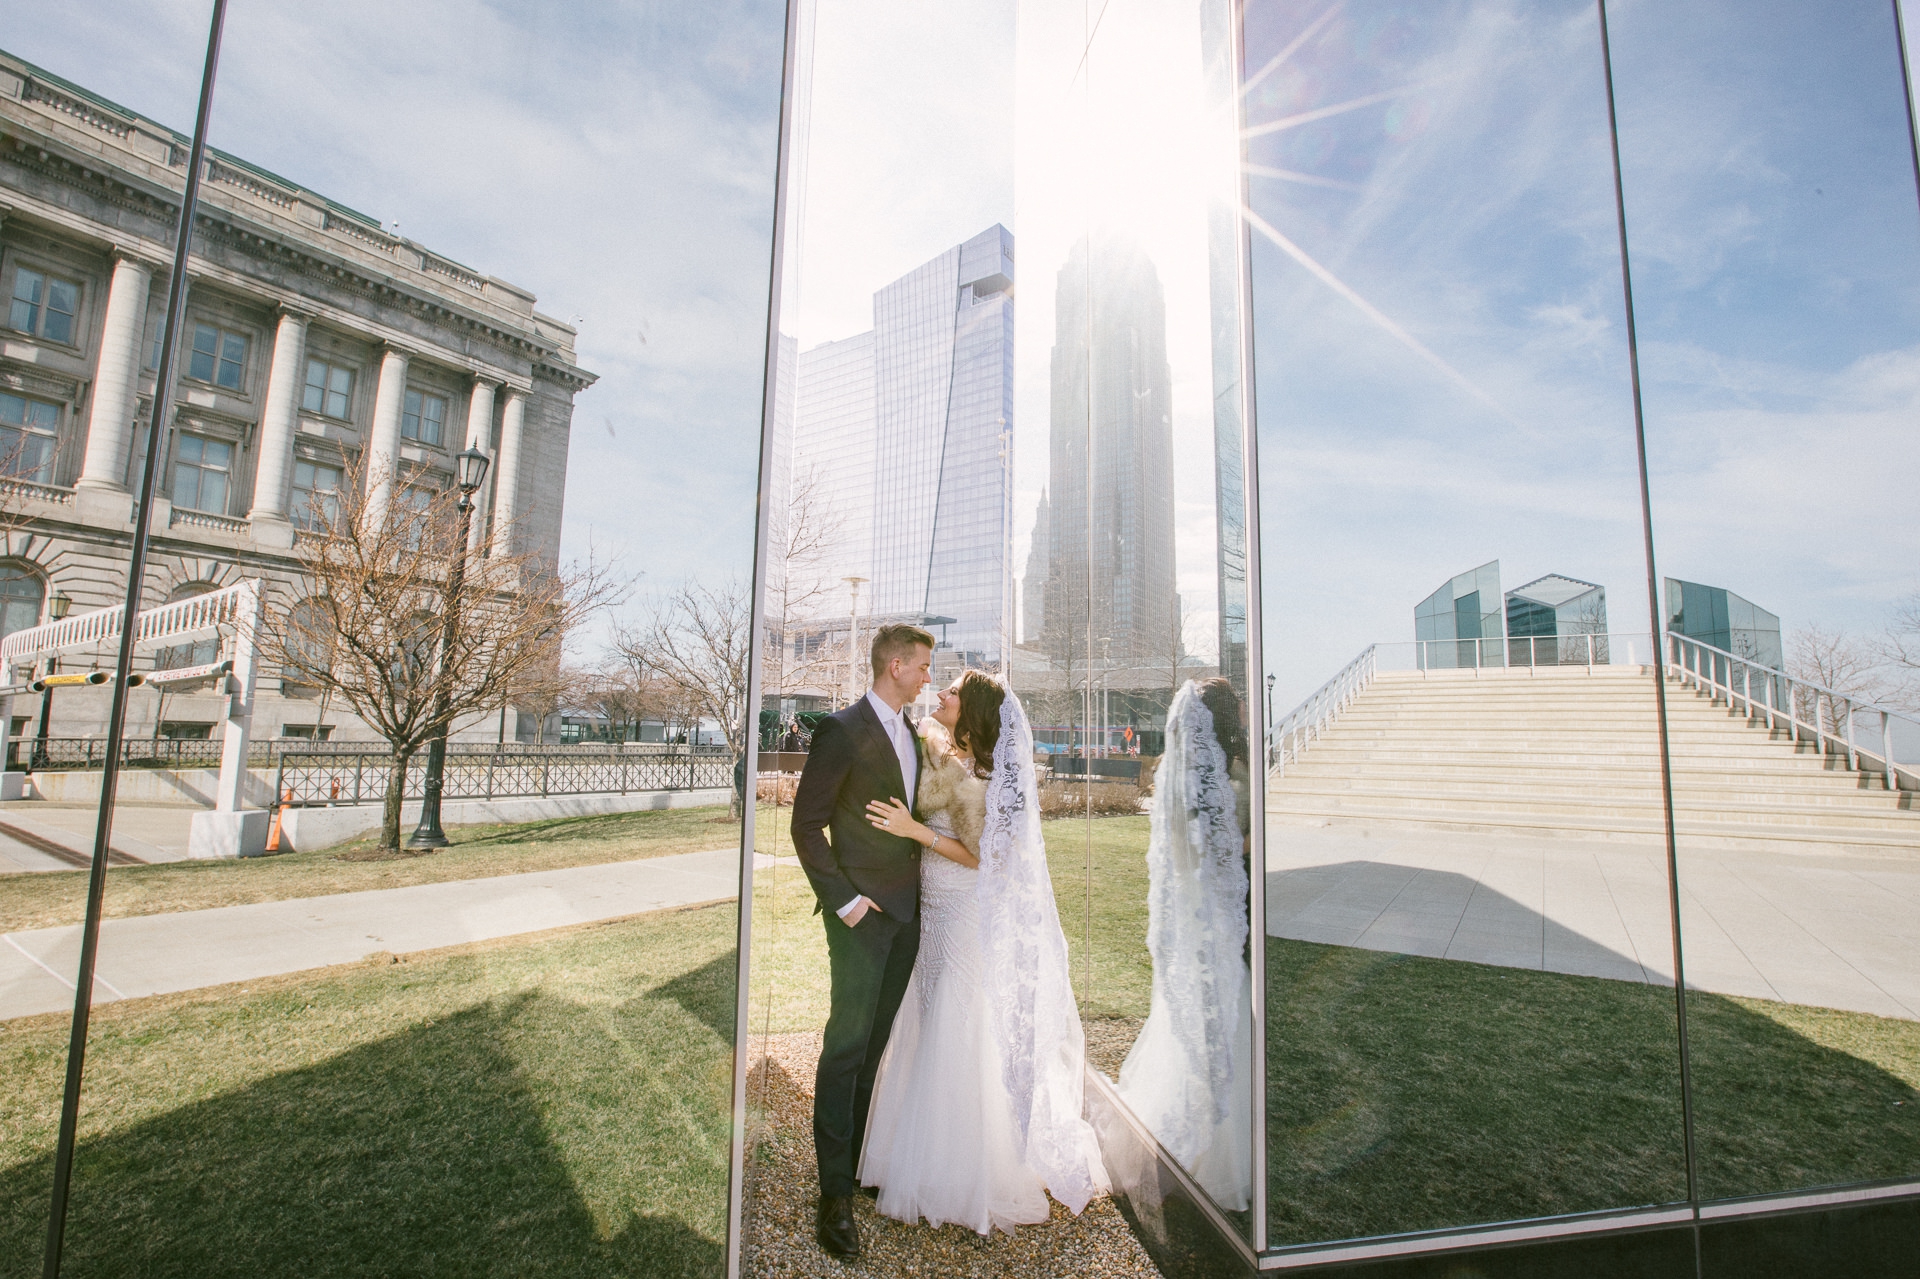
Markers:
1467,204
617,164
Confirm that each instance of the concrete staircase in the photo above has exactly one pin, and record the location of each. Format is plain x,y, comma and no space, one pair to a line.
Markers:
1566,753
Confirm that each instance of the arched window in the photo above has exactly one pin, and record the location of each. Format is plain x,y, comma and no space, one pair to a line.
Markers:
21,595
309,649
199,653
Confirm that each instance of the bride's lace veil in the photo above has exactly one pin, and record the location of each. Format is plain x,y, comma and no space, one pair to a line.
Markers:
1035,1022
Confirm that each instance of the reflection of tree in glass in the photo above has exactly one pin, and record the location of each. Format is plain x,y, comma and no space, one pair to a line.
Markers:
1837,662
802,594
698,640
375,592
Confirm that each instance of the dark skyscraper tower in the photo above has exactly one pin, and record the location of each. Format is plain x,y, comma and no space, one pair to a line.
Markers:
1111,561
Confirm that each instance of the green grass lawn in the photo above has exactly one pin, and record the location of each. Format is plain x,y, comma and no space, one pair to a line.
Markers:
1410,1094
49,898
790,949
556,1104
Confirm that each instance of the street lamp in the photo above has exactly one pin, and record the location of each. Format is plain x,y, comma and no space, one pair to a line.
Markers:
470,467
853,635
56,609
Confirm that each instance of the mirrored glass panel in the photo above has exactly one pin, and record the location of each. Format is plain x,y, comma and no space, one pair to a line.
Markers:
421,922
83,253
1135,343
1775,235
1469,1007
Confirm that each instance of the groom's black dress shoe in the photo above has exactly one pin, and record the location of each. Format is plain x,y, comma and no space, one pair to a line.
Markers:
833,1226
871,1192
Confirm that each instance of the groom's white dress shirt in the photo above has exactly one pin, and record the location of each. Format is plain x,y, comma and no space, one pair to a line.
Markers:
900,733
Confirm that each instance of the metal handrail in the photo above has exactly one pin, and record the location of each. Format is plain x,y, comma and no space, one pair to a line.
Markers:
1780,699
1507,652
1289,737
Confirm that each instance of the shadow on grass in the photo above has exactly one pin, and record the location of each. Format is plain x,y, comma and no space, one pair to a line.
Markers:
517,1137
1411,1094
706,992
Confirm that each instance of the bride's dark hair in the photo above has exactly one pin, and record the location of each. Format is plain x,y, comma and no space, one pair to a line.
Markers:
1229,721
978,729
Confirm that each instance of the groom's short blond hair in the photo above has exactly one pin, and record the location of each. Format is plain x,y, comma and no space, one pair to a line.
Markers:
896,640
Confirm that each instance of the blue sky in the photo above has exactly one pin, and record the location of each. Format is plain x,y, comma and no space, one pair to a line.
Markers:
1775,236
616,160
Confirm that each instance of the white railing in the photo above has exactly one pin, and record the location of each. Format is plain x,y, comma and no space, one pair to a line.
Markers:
207,519
1289,736
200,617
18,487
1518,652
1809,711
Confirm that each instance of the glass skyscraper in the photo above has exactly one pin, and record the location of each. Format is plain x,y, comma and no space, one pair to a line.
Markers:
900,446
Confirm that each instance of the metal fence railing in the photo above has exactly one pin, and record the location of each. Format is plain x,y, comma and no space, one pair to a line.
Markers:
333,776
64,753
1833,721
1293,732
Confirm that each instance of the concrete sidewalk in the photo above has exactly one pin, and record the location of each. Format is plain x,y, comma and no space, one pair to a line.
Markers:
156,954
1833,930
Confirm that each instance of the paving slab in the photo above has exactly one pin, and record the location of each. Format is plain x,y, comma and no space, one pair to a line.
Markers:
156,954
1832,930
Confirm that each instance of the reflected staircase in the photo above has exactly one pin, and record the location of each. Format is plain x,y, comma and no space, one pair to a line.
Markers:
1574,753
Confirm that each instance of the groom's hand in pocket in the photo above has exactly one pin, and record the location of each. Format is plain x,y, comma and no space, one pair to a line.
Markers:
861,905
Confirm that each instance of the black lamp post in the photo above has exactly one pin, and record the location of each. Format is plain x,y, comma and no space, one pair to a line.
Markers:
56,609
470,467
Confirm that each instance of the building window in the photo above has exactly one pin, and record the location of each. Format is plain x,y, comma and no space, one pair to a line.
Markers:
28,433
218,356
44,305
316,495
180,656
416,508
329,389
424,418
201,468
308,732
21,593
186,730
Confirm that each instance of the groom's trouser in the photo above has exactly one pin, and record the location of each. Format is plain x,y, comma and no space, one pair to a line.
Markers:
870,964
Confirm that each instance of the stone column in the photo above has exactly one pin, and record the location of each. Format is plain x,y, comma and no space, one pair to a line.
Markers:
116,381
480,436
280,418
382,455
513,421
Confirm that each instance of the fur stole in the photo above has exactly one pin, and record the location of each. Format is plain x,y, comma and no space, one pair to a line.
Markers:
948,785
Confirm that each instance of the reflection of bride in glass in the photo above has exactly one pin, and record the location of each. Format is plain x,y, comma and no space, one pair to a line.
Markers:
976,1111
1187,1077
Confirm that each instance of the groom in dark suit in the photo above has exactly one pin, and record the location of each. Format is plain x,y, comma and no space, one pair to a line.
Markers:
868,885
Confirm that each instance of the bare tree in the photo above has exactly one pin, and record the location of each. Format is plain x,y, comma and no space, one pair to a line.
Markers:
799,588
698,639
367,630
1898,650
1838,662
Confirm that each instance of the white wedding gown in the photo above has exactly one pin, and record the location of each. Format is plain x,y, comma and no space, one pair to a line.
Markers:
978,1109
942,1143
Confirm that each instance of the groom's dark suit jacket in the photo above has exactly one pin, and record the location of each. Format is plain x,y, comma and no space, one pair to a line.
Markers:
845,856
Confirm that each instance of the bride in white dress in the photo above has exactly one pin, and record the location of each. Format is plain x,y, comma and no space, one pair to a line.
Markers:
976,1111
1188,1077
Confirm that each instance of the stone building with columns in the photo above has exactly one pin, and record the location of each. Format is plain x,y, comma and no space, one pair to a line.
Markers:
312,338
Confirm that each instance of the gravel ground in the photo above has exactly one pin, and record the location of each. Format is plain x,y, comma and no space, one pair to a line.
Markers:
782,1190
1109,1040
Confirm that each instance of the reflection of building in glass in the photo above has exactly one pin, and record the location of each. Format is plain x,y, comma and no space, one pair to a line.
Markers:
1033,586
1551,609
1111,559
1466,609
899,444
832,455
1714,615
288,374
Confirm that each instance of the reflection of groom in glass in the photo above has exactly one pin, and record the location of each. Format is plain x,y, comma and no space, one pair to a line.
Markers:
868,883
